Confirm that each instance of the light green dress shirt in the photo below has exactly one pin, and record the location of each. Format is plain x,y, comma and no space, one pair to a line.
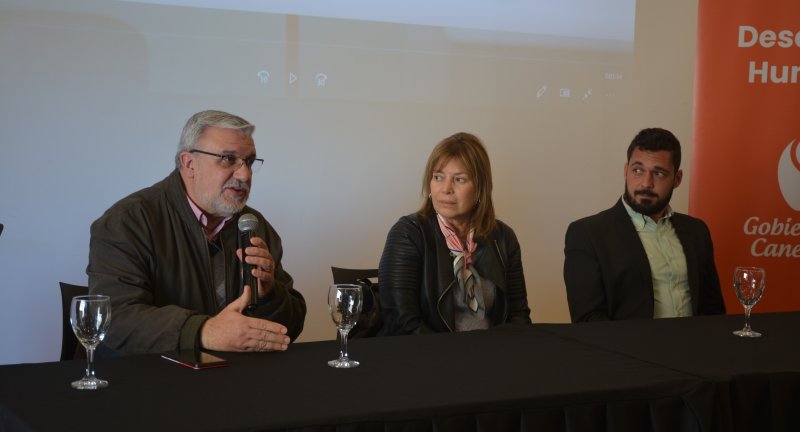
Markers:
671,295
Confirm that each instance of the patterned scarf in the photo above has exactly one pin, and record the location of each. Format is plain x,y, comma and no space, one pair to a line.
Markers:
462,262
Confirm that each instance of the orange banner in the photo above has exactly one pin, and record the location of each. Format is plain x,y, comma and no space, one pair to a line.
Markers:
746,156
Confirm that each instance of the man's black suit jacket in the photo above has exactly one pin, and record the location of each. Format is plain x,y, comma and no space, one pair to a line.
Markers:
608,275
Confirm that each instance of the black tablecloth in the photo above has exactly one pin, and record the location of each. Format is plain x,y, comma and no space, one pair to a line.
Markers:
654,375
757,380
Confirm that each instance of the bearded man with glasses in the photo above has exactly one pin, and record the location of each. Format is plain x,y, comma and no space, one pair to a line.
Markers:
169,258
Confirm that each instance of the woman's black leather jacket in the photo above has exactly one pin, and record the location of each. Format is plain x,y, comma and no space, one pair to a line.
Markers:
416,277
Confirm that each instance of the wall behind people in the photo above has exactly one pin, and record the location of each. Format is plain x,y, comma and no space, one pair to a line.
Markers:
94,96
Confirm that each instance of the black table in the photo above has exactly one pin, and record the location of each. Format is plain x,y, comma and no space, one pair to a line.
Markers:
757,380
635,375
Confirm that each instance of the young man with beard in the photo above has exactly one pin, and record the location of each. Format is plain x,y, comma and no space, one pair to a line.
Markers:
168,255
639,259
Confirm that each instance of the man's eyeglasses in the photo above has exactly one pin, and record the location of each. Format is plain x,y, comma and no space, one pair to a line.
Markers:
233,161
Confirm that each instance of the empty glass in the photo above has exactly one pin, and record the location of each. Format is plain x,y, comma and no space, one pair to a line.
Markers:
749,283
344,303
90,316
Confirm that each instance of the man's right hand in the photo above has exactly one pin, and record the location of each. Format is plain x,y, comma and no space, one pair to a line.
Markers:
231,330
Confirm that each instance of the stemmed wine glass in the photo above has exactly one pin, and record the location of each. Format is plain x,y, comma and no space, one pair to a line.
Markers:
90,316
749,284
344,303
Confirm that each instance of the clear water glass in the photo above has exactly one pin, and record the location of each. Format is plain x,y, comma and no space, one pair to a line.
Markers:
90,316
749,283
344,303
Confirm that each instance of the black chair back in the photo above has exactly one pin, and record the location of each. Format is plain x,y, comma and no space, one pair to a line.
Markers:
345,275
70,347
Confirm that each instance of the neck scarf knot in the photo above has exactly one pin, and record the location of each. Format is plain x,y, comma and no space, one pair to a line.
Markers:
462,262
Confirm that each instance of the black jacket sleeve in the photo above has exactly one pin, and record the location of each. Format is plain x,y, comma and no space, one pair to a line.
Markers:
585,292
284,304
400,276
515,290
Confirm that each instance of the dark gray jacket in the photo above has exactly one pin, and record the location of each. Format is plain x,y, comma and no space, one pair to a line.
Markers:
416,277
149,253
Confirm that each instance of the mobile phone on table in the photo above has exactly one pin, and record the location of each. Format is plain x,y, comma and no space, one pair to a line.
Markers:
195,359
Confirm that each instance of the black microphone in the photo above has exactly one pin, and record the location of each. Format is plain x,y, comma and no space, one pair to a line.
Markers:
247,228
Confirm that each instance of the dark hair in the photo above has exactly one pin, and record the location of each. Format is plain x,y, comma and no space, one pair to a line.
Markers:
468,149
657,139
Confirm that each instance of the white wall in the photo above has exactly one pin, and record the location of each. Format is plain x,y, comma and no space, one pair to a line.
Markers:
666,34
70,146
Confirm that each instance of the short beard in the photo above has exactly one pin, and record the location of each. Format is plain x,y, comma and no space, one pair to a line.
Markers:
222,207
654,207
228,209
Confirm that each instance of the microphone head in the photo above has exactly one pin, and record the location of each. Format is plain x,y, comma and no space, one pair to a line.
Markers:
247,222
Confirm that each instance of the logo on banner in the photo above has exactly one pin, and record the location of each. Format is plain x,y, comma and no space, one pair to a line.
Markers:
789,174
774,237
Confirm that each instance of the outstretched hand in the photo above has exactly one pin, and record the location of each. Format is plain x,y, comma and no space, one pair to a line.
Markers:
231,330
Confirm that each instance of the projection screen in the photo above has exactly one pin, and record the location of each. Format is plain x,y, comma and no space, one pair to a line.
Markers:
348,99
